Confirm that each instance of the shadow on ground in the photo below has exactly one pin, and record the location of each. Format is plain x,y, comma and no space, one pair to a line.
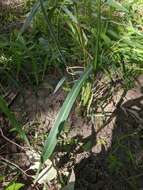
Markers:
120,167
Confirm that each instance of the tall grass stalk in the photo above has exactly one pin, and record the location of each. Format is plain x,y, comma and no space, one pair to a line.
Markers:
97,50
50,28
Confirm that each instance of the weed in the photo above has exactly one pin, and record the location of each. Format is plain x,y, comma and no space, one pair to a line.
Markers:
97,36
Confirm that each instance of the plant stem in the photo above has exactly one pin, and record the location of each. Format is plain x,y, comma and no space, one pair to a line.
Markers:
97,50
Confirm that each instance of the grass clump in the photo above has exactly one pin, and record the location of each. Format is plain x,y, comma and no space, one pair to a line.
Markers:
96,37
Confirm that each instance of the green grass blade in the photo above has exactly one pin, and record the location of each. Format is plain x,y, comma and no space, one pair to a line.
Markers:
69,13
116,5
51,30
30,17
60,83
4,108
97,50
62,116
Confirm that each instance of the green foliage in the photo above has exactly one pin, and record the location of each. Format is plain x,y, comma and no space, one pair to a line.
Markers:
15,186
16,126
114,164
86,93
30,17
60,83
62,116
66,31
96,35
118,6
106,40
98,32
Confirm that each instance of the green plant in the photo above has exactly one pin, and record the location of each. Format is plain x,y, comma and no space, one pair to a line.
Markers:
114,164
63,115
14,186
16,126
99,36
108,42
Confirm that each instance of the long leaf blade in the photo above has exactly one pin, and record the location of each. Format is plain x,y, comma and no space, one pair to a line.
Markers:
63,114
116,5
60,83
29,18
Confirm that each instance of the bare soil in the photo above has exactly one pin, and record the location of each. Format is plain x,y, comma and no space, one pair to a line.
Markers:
104,150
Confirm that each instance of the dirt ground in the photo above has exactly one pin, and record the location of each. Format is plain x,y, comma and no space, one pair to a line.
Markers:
6,4
104,151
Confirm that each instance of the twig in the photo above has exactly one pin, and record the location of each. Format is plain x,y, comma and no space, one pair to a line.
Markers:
70,70
136,176
10,140
15,165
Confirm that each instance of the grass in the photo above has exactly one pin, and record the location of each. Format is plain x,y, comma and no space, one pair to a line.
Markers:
101,37
16,126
